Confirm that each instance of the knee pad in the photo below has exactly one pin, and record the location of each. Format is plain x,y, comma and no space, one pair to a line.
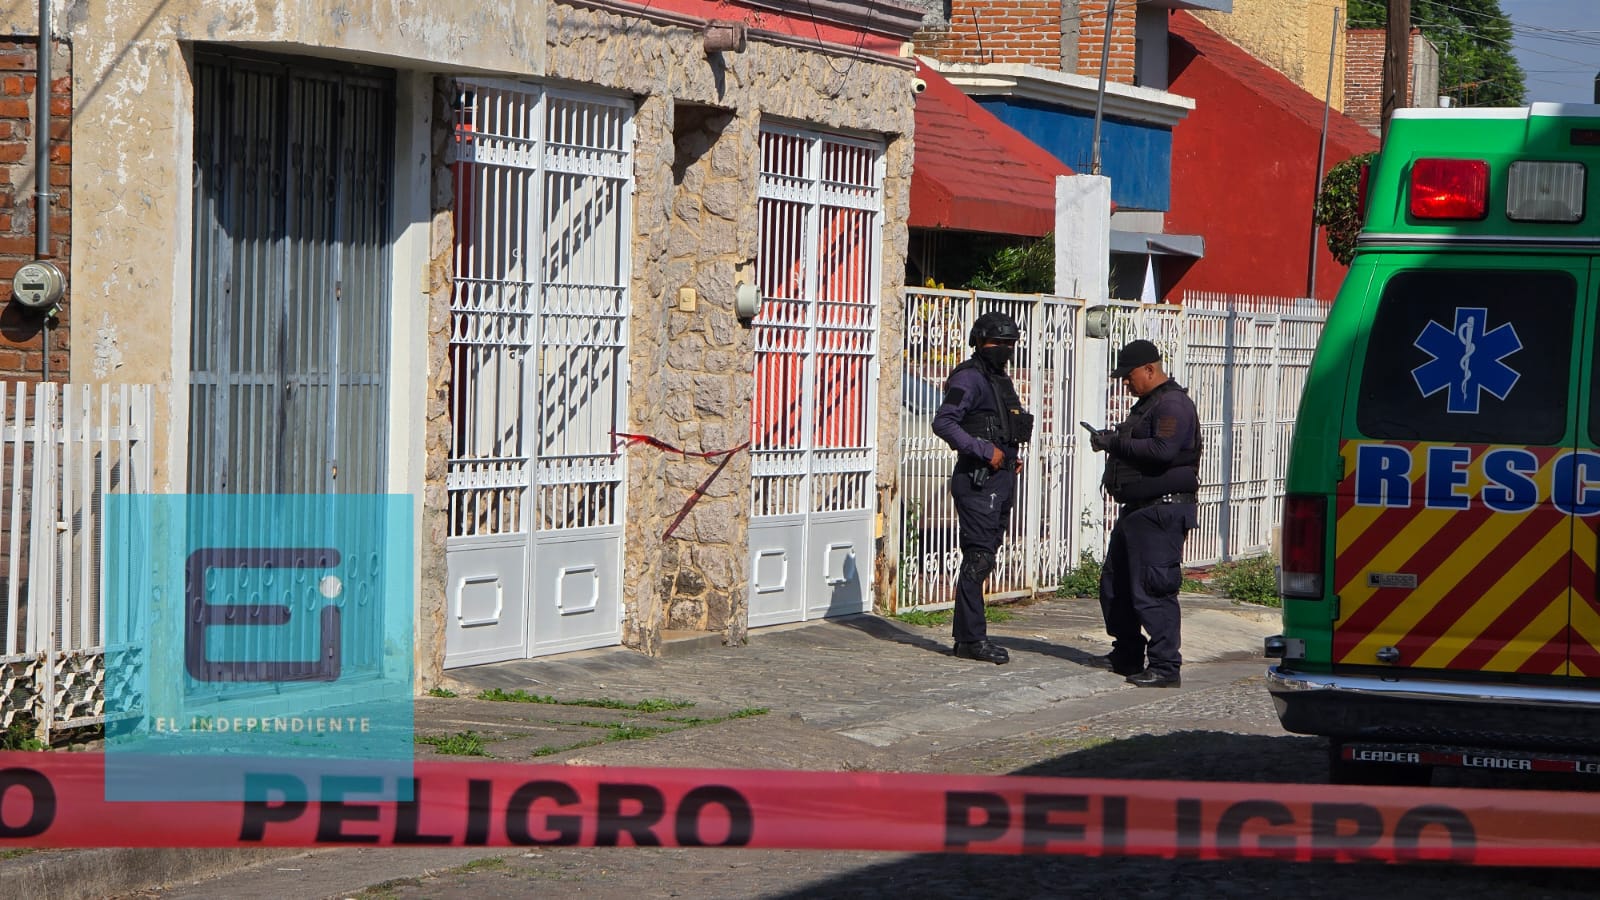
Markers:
976,566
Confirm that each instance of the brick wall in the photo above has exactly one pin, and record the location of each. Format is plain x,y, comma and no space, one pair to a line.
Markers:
1029,32
1363,75
22,333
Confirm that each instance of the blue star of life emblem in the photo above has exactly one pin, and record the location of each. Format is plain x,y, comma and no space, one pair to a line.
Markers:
1467,360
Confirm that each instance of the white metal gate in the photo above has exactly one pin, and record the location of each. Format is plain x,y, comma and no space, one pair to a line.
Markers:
1040,536
539,330
63,448
1244,360
813,422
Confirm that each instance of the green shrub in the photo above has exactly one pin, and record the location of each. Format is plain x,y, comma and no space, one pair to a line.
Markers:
1253,580
1083,581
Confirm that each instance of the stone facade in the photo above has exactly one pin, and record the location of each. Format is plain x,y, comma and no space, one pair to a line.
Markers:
697,128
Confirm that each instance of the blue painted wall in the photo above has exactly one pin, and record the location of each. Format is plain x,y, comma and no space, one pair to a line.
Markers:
1136,157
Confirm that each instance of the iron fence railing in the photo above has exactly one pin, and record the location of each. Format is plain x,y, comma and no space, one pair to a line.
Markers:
1244,360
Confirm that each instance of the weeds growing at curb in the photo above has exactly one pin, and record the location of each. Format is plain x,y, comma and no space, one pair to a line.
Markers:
442,692
1253,580
647,705
932,618
478,865
20,736
1083,580
462,743
626,731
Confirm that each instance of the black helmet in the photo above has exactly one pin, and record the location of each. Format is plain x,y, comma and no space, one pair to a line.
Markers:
993,326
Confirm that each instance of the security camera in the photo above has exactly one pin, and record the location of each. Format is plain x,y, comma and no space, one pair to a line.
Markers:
918,86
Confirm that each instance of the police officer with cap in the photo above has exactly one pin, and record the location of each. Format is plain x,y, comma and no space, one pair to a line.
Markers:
982,419
1153,471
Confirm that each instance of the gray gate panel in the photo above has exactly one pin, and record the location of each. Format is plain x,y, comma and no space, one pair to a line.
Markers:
289,347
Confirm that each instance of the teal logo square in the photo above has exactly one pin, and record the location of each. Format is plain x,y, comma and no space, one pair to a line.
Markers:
257,633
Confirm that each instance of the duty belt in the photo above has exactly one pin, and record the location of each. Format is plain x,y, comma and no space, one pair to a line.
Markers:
1157,501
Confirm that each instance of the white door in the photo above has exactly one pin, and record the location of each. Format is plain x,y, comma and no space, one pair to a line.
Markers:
814,421
538,382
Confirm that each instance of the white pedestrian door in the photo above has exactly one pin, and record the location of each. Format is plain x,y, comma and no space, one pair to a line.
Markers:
813,421
539,314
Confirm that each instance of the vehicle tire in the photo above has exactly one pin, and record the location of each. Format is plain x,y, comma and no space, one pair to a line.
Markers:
1344,771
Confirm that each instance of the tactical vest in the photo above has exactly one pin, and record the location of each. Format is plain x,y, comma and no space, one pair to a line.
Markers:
1008,424
1121,475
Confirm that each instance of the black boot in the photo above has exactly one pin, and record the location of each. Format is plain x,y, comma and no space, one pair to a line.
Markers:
985,650
1151,678
1119,666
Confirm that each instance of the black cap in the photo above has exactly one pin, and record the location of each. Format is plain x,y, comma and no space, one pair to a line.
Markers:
995,326
1135,354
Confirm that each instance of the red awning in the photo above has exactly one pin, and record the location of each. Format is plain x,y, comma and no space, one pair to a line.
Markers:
973,172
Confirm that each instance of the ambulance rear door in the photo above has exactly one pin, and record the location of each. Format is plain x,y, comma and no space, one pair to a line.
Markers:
1584,633
1454,523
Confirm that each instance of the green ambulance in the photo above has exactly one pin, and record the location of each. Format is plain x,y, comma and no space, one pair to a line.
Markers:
1441,594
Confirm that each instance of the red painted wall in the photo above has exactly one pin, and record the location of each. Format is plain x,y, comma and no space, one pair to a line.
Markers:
1244,170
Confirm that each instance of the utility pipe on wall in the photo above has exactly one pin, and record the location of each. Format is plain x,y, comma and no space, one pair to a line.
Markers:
1100,95
41,138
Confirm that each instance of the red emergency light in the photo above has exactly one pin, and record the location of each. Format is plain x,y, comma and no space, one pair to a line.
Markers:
1449,189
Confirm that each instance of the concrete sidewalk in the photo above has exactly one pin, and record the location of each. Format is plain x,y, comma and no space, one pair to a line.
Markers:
854,693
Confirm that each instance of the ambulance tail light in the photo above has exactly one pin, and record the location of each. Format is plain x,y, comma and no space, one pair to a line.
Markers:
1304,558
1449,189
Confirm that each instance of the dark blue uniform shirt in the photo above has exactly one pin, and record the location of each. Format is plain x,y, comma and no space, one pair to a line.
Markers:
1164,443
968,391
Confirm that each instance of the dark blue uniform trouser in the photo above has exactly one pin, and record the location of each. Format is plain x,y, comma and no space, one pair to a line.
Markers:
1139,585
982,513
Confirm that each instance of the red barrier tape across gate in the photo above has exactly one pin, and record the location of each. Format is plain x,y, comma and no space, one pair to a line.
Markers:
57,800
683,512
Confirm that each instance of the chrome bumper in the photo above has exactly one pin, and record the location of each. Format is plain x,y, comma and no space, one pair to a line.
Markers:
1422,710
1280,682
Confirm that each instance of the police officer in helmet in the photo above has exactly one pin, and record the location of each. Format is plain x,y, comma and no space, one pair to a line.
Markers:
1152,469
982,419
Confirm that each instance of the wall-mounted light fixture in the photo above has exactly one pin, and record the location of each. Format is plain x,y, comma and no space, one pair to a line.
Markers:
746,300
724,36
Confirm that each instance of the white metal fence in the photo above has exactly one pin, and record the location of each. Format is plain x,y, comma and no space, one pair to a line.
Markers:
63,448
1244,360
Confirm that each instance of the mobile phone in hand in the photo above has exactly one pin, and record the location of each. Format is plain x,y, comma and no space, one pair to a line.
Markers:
1089,428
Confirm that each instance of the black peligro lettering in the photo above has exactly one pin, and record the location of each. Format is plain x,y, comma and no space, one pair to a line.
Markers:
1329,840
1408,832
332,814
741,820
1114,826
43,795
1188,828
613,822
408,815
1230,829
960,830
479,793
568,829
1037,828
258,813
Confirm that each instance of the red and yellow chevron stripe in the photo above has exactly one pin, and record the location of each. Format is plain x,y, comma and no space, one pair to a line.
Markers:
1494,590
